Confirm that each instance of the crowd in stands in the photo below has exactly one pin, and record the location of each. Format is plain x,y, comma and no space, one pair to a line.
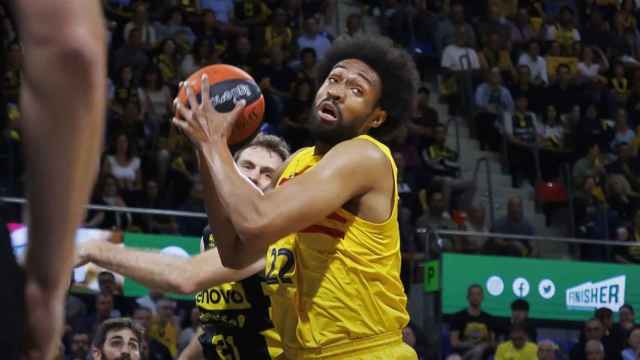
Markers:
556,78
475,334
547,85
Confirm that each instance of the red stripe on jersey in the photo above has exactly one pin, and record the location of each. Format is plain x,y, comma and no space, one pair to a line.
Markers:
337,218
319,229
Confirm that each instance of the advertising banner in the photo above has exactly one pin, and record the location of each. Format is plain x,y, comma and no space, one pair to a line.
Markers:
555,290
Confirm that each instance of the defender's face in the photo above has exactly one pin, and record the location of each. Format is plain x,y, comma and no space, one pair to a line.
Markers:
259,165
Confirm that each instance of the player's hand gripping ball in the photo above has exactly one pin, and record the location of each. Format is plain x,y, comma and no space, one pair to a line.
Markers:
228,85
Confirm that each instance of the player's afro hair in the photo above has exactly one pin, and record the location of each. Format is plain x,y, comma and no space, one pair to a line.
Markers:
395,67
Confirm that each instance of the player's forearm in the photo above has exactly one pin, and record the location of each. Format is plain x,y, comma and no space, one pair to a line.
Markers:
63,105
221,226
242,203
152,269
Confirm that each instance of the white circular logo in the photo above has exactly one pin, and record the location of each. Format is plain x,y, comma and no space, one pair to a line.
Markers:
520,287
546,288
175,251
495,286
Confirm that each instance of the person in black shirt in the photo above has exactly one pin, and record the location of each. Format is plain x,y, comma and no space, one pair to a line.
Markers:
592,129
563,94
422,126
597,33
627,320
472,330
522,132
612,340
593,330
525,87
293,124
241,55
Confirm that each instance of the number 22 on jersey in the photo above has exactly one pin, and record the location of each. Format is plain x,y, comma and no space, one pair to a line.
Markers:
280,266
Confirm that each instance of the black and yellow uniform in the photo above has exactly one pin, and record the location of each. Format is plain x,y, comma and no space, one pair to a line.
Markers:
235,318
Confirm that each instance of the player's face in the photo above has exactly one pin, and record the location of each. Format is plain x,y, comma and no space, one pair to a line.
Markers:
259,165
346,105
119,345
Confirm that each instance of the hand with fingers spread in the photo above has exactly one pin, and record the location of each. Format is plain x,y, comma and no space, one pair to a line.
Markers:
200,121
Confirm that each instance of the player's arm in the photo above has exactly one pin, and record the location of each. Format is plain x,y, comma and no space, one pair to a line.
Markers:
63,101
219,222
350,169
63,106
347,171
163,271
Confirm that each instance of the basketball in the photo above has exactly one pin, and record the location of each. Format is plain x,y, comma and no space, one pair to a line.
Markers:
229,84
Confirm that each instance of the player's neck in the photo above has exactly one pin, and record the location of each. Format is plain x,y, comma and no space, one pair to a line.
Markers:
322,148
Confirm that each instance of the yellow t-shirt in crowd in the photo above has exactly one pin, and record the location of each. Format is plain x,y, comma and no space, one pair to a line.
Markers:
506,351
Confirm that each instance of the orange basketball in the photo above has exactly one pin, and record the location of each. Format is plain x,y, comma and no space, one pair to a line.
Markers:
229,84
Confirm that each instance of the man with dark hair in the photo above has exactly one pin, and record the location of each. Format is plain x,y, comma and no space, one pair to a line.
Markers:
514,223
492,100
118,339
311,37
472,330
103,311
519,346
627,320
331,220
563,95
520,314
79,348
522,130
107,283
442,162
593,331
258,161
150,347
613,339
446,29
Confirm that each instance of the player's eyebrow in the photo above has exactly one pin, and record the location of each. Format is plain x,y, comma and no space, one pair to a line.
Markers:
359,73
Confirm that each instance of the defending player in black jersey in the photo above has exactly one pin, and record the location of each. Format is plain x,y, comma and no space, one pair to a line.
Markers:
234,310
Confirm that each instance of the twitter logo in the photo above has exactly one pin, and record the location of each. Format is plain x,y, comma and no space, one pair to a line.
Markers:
546,288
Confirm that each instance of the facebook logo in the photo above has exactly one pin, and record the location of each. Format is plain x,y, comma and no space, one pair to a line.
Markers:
520,287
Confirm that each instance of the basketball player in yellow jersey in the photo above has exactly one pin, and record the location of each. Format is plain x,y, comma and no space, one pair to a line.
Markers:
334,269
